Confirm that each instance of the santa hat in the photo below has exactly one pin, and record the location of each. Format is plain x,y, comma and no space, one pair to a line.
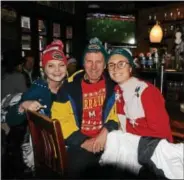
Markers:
54,51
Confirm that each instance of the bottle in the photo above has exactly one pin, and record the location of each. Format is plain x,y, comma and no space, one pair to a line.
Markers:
162,73
149,61
142,60
156,59
136,62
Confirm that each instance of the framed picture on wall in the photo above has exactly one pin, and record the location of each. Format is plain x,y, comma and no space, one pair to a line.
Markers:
25,24
56,30
42,27
26,42
69,32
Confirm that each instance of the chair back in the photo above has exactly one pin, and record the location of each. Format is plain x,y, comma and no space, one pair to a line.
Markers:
48,143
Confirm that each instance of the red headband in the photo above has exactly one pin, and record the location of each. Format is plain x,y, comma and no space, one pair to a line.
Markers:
54,51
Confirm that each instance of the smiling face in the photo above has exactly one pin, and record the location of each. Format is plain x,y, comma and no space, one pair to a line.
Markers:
119,68
94,65
55,70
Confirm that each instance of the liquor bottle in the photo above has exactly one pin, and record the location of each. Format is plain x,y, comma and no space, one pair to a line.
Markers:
136,62
149,61
162,66
142,60
155,58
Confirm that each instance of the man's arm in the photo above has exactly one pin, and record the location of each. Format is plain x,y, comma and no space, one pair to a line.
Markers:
71,132
111,124
156,114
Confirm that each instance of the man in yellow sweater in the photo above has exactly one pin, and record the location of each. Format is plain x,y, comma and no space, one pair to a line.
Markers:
86,110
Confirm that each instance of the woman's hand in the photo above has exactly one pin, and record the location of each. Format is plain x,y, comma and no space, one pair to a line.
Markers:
30,105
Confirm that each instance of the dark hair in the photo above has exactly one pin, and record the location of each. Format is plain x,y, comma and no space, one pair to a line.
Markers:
11,59
27,54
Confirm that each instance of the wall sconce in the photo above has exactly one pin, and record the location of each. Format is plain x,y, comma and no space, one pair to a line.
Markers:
156,34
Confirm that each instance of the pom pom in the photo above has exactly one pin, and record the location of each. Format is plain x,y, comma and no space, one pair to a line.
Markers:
95,41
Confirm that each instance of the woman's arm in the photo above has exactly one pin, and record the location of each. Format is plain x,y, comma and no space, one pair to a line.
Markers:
16,115
155,112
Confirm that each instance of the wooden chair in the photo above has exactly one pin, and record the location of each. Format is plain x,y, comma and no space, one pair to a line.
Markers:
48,146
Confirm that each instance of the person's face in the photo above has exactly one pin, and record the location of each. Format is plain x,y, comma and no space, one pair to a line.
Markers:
55,70
19,68
29,63
119,68
72,67
94,65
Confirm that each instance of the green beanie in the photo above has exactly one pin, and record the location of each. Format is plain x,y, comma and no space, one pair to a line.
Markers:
124,52
95,45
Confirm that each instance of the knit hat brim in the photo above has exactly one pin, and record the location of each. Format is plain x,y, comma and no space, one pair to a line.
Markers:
54,51
124,53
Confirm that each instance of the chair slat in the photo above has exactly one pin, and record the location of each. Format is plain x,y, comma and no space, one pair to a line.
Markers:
48,143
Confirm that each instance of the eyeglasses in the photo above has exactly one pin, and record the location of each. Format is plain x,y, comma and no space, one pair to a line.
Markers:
119,65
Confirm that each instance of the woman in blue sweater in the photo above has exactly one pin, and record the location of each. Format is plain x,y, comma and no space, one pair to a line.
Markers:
41,94
43,90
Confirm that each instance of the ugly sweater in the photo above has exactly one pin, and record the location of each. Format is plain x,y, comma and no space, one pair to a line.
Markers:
141,109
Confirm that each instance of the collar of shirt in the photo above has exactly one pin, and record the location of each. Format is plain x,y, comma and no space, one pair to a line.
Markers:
29,73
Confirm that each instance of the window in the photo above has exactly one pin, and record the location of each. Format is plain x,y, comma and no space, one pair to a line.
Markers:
26,35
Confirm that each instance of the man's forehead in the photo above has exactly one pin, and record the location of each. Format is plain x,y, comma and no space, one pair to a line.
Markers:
94,54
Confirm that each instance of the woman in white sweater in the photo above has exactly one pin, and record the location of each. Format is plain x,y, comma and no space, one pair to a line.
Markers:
145,138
